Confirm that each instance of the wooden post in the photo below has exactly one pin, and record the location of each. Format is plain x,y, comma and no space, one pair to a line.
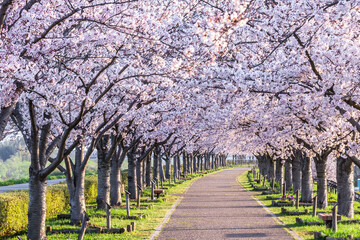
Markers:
132,226
127,194
108,216
297,199
83,226
314,206
334,217
139,196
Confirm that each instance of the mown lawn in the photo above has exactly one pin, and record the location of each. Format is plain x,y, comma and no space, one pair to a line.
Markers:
306,232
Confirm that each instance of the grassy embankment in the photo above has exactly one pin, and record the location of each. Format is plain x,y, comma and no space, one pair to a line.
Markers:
304,231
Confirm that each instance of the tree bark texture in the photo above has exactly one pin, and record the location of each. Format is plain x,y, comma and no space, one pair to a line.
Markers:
144,172
288,174
75,179
175,168
5,114
178,165
148,170
132,181
320,164
306,180
167,168
37,207
161,170
103,173
198,163
345,186
296,170
184,164
279,170
156,163
139,173
195,163
115,177
271,173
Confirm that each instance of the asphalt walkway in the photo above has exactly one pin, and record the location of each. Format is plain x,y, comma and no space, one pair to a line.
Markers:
22,186
216,207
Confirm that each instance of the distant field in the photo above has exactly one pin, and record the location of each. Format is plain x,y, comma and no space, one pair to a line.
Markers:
16,169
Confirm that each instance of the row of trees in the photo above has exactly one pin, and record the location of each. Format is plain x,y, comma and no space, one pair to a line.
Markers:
107,75
276,79
301,92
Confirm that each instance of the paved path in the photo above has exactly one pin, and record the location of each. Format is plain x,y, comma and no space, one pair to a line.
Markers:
22,186
216,207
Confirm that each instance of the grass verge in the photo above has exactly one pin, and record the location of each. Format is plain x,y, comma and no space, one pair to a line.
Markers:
304,231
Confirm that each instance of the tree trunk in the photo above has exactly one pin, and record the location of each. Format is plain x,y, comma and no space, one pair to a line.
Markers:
184,164
212,161
144,171
77,198
115,177
198,163
5,114
288,175
296,171
306,181
132,188
175,168
321,182
267,163
271,173
279,170
161,170
190,164
194,164
115,186
345,186
75,180
37,207
156,163
103,173
148,170
139,173
167,172
178,166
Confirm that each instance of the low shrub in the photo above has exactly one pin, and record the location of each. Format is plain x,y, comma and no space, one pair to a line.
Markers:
14,205
13,211
91,184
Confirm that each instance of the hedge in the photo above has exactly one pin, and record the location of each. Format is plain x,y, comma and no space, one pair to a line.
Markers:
14,205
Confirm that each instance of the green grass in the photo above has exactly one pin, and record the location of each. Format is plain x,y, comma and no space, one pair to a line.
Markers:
144,227
57,175
306,232
14,181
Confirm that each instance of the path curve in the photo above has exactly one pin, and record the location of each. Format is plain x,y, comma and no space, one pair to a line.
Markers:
22,186
216,207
